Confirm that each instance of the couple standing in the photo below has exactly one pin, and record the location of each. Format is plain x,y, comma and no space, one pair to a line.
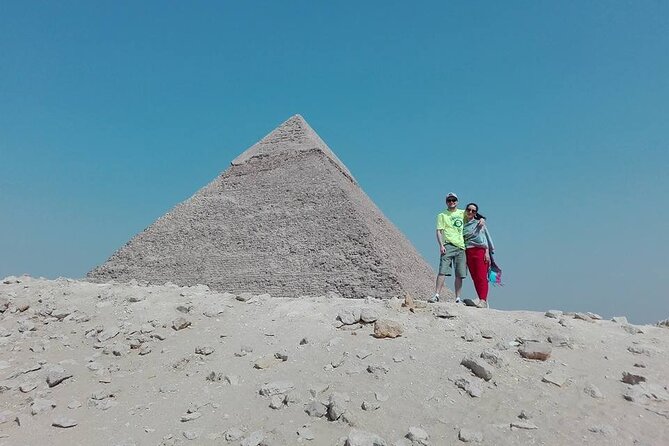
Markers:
464,242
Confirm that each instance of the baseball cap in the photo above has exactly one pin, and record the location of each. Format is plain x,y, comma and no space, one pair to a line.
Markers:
451,194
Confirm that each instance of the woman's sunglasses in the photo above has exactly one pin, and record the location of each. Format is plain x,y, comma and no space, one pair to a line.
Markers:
471,210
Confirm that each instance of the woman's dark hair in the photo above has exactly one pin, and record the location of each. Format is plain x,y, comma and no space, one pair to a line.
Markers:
477,216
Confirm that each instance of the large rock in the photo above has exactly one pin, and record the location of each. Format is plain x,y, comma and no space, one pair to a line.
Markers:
535,350
386,328
479,367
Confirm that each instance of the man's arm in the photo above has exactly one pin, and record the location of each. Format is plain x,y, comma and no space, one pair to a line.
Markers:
440,240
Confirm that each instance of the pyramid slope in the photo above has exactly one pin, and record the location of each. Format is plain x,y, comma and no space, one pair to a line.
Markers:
289,223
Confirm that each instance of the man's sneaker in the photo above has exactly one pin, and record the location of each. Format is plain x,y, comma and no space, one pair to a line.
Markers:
433,299
457,300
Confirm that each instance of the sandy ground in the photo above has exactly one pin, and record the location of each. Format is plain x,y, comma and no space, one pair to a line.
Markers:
107,360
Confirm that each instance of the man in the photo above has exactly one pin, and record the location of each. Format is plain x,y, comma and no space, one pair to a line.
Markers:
451,247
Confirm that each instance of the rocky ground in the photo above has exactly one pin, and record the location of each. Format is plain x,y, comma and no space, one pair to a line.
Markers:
127,364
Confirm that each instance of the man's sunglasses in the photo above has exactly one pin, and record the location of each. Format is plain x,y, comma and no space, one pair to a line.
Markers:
451,200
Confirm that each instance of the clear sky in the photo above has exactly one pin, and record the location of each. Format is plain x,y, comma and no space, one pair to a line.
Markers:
552,116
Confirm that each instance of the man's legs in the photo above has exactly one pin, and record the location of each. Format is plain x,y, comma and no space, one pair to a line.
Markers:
440,284
458,287
460,264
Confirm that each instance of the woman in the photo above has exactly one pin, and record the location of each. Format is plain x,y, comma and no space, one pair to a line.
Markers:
478,248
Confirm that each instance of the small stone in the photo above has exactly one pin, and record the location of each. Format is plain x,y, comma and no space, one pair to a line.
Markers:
277,401
583,317
366,405
316,409
631,329
233,434
144,349
620,320
244,297
472,388
108,334
361,438
492,357
190,416
487,334
555,377
553,314
56,376
205,351
73,404
369,315
524,415
190,435
349,316
559,340
630,378
306,433
64,422
276,388
470,436
593,391
594,316
180,323
417,435
304,341
337,405
478,367
523,425
255,439
266,362
377,369
386,328
27,387
535,350
443,312
40,405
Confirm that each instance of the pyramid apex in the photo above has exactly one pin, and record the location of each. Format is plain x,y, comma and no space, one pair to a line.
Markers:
293,135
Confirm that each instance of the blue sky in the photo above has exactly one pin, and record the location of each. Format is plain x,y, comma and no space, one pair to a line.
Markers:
553,116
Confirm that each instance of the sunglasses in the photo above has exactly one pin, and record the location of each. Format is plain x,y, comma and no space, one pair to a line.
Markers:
451,200
471,210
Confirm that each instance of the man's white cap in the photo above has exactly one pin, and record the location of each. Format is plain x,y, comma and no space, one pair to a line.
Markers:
451,194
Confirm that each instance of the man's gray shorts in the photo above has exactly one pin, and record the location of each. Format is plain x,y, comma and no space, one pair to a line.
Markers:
454,257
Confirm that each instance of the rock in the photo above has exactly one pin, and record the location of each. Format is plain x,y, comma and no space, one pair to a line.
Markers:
180,323
27,387
386,328
337,405
629,378
535,350
349,316
492,357
40,405
478,367
74,404
583,317
377,369
266,362
26,325
473,388
417,435
277,401
361,438
190,416
56,376
276,388
443,312
470,436
233,434
523,425
64,422
108,334
631,329
594,316
593,391
644,393
556,377
487,334
369,315
144,349
254,439
61,313
553,314
244,297
524,415
316,409
663,324
639,350
471,334
305,432
190,435
603,429
351,418
366,405
304,341
619,320
204,351
559,340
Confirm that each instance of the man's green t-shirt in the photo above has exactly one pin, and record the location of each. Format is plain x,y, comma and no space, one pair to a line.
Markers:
451,223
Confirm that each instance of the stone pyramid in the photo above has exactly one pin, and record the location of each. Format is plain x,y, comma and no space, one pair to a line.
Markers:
286,218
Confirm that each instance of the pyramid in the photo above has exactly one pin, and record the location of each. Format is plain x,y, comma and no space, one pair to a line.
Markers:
286,218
